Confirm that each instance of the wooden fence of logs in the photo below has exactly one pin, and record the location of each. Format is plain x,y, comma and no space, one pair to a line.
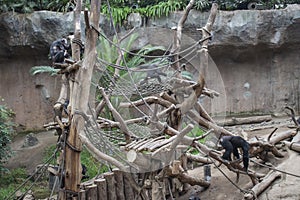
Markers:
111,186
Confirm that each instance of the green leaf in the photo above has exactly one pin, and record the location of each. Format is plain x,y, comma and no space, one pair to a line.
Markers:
43,69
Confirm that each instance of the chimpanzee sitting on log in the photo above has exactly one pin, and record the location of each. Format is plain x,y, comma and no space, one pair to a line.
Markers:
59,50
231,145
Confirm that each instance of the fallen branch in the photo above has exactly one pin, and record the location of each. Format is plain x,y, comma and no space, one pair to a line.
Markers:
282,136
177,171
260,147
293,145
260,187
207,124
246,120
198,158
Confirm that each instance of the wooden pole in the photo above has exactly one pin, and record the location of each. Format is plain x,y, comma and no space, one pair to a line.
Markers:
102,188
72,150
120,183
79,96
111,188
92,192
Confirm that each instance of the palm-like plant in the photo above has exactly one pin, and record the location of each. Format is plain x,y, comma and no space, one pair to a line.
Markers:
43,69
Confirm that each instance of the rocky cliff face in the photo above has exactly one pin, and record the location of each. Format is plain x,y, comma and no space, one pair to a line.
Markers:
255,55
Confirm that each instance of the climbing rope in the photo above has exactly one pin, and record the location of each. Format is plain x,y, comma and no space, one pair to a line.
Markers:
41,169
232,182
275,169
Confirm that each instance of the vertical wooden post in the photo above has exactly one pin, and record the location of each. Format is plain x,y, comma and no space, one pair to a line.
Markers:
111,182
82,195
92,193
102,188
119,183
129,194
72,150
79,94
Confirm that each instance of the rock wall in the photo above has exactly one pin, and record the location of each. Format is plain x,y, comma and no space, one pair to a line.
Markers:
256,54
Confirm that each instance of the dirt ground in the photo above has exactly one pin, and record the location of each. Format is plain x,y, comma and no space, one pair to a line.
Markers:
30,157
286,187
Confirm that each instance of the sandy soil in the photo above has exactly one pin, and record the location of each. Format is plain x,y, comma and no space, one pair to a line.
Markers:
287,187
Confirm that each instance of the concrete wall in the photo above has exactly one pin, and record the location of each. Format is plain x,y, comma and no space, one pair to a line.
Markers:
254,57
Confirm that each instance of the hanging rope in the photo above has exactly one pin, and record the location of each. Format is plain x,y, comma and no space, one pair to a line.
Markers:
41,169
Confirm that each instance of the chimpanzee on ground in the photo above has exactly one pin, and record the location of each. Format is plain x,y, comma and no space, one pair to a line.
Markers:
231,145
59,50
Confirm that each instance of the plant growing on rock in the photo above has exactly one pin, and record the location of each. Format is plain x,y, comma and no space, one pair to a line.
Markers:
6,131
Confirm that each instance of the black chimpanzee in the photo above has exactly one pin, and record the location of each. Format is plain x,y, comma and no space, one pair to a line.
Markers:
59,50
231,145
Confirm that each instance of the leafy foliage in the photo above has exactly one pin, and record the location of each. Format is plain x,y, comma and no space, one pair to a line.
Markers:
10,180
120,9
43,69
94,167
61,5
28,6
6,131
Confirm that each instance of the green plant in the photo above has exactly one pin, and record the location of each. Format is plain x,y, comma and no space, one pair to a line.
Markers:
94,167
201,5
22,6
28,6
43,69
6,131
164,8
119,14
10,180
61,5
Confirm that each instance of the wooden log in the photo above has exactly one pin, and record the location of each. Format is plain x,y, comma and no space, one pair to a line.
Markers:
146,145
120,183
144,161
157,192
210,93
203,113
161,143
151,143
82,195
172,142
264,146
91,192
198,158
166,111
246,120
293,145
139,144
102,188
71,68
180,136
184,177
207,124
128,190
176,167
111,185
282,136
296,138
260,187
